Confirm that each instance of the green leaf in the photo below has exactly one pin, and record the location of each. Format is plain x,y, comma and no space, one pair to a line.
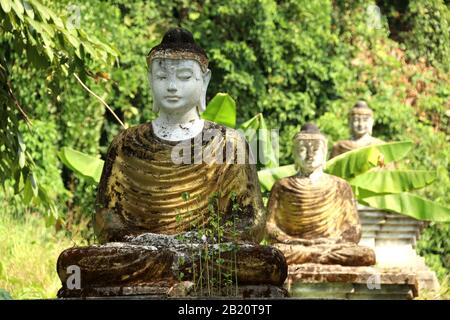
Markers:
28,9
21,155
221,109
355,162
34,185
18,8
393,181
258,134
27,191
83,164
268,177
42,10
6,5
409,205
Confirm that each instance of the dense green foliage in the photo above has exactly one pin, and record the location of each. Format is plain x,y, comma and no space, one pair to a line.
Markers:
292,61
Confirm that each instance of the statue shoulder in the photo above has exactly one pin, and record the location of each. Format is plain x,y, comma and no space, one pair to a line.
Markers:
377,141
342,185
229,133
131,132
344,144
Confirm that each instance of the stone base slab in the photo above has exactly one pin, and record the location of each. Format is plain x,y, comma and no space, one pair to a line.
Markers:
180,290
315,281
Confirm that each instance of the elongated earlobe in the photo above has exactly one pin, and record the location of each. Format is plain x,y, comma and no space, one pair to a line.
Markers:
202,102
155,107
370,125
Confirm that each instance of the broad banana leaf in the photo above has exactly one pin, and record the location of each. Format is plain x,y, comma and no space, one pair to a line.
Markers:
221,109
361,193
83,164
409,205
393,181
353,163
268,177
259,137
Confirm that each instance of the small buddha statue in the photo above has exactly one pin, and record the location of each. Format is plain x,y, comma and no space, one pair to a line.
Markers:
312,216
361,123
152,208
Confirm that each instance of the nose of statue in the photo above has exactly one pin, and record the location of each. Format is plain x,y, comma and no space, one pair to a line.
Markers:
172,87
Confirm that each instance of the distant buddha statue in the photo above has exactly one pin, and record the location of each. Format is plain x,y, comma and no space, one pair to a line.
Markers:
312,216
361,123
150,196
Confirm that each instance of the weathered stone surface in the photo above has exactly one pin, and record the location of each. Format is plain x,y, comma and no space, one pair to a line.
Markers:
393,237
322,281
153,260
173,176
348,254
381,228
163,291
361,123
312,216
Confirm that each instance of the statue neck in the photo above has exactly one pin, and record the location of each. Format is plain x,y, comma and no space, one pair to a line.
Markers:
178,126
366,136
313,176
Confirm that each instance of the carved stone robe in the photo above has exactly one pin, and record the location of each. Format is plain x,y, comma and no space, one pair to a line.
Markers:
142,189
316,222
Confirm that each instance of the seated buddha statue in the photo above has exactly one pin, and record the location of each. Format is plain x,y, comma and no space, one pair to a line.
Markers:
312,216
361,123
150,196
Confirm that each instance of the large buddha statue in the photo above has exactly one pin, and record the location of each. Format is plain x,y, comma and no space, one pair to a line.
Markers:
312,216
174,186
361,123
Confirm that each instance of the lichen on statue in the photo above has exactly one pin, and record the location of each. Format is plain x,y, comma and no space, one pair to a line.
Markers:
141,186
361,123
312,216
149,195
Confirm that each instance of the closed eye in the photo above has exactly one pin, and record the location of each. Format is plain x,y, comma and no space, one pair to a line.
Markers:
185,76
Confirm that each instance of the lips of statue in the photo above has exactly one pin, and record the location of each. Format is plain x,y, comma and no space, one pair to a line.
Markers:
309,155
176,84
361,125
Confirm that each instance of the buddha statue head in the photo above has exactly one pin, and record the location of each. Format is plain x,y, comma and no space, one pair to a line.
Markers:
310,150
361,120
178,74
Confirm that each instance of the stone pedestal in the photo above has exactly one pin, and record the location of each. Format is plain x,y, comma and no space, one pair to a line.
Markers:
316,281
393,237
164,266
167,291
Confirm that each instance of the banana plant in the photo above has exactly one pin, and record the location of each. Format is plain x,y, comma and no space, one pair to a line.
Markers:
375,186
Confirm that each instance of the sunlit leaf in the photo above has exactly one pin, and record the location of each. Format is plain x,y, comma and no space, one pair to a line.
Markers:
87,166
355,162
393,181
221,109
409,205
268,177
6,5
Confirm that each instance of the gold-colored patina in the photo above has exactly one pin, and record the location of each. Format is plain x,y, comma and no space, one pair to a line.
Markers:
143,190
324,209
349,145
312,216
